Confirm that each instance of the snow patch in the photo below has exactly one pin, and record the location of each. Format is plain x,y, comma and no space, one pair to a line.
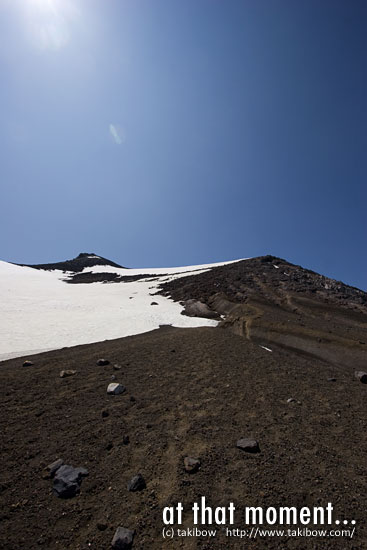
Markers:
40,311
267,349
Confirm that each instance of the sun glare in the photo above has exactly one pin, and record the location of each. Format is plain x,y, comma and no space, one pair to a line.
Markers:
43,5
49,22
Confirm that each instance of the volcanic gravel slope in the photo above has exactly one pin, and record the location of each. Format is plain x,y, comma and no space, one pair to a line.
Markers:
268,278
271,301
194,392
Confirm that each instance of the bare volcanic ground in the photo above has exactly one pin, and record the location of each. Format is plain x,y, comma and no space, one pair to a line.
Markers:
189,392
77,264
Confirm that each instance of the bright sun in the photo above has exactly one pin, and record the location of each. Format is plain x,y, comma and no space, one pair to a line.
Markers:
43,4
49,22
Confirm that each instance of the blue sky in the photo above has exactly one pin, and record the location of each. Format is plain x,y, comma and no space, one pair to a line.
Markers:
170,132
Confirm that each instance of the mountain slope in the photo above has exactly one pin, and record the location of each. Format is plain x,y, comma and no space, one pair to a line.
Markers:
189,392
278,365
273,302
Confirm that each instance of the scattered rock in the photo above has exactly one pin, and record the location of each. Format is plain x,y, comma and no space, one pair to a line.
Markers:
105,414
122,539
65,373
132,399
136,483
195,308
126,440
191,464
331,379
52,468
101,526
362,376
116,367
67,481
113,377
103,362
27,363
291,400
115,389
248,445
154,304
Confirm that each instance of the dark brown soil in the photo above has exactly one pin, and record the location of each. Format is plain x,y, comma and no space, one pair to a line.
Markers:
189,392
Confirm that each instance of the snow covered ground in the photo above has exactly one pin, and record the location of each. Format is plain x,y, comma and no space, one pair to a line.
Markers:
40,312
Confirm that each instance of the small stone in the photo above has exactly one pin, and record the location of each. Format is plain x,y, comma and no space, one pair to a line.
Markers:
116,367
136,483
105,414
132,399
67,481
65,373
191,464
52,468
115,389
126,440
101,526
362,376
331,379
248,445
103,362
122,539
291,400
27,363
154,304
109,446
113,377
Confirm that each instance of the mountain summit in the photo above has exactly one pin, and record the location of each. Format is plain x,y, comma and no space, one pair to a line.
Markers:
85,259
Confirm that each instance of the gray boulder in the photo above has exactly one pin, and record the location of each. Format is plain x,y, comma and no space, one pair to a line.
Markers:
191,464
122,539
103,362
115,388
67,481
65,373
248,445
194,308
136,483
